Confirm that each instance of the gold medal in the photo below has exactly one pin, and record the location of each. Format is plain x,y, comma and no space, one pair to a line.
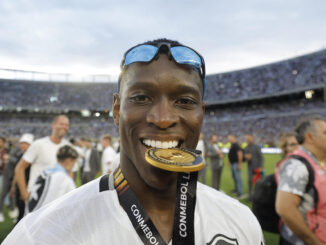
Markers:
174,159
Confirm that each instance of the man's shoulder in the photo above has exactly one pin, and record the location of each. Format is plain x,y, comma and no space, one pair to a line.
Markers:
293,164
42,140
109,150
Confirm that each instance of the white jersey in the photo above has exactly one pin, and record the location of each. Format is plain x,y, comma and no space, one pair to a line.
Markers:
89,216
107,159
50,185
42,154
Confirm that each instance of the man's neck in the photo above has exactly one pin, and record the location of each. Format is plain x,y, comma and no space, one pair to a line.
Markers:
159,204
55,139
319,155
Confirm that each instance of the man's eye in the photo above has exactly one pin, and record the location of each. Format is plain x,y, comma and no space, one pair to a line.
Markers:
185,101
140,99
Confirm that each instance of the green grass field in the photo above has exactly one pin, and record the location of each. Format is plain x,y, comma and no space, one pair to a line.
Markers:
226,186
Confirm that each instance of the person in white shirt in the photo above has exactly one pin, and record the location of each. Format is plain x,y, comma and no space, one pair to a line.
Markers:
41,155
159,105
108,154
53,182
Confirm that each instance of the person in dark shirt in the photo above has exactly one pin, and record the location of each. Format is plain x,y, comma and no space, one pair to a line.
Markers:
254,157
235,156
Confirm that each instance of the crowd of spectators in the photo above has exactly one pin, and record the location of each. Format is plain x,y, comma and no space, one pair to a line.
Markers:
56,95
288,75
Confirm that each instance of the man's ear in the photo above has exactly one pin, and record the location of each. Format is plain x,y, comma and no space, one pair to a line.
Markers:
116,108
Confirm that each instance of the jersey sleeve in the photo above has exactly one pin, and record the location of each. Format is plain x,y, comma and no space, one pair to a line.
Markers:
31,153
293,177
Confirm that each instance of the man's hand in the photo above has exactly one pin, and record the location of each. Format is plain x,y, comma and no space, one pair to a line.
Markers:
25,196
248,156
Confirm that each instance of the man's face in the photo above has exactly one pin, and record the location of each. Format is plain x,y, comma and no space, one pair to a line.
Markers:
249,139
319,139
214,139
104,143
23,146
291,144
231,139
60,127
159,106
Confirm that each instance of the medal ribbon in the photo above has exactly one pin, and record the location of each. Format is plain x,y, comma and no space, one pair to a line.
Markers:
183,228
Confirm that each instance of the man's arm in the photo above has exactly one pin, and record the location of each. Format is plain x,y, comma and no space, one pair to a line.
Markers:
240,158
247,154
20,178
287,208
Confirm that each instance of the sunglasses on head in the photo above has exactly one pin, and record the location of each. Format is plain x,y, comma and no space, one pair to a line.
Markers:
181,54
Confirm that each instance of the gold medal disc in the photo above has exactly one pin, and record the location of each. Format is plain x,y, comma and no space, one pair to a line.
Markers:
174,159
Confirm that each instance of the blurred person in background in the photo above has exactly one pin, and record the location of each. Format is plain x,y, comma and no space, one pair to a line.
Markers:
108,154
235,156
54,182
92,163
201,147
255,159
3,157
215,156
8,176
41,155
288,143
80,148
303,215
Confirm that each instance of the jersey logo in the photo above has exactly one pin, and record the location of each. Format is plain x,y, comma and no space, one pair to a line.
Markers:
37,191
220,239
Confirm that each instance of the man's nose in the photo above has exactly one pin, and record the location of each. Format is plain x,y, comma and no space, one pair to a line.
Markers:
162,114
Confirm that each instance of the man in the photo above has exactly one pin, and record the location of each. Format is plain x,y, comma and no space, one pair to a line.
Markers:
54,182
215,156
255,160
108,154
92,164
41,155
159,105
304,216
235,156
8,173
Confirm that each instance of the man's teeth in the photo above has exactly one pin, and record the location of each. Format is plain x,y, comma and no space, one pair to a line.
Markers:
160,144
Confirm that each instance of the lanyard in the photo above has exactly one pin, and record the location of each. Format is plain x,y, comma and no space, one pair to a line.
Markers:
183,227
